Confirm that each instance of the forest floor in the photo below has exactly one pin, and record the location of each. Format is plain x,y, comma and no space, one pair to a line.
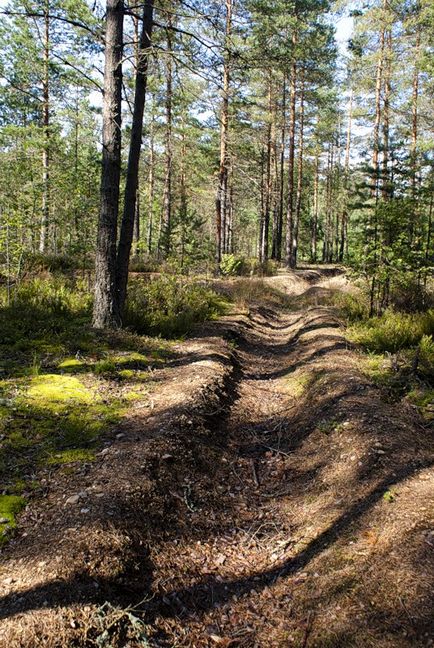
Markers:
263,493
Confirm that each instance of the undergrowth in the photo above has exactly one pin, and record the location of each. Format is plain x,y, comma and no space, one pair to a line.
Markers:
169,307
398,349
394,331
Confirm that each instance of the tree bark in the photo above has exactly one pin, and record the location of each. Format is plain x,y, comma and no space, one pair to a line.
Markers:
277,234
268,189
46,130
294,249
221,198
132,181
290,202
151,185
414,136
105,311
344,221
314,232
377,122
166,225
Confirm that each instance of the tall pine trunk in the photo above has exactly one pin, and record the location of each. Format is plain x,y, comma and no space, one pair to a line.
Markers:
45,220
151,184
414,137
299,196
221,197
166,225
105,310
131,186
314,229
268,181
344,221
278,230
291,160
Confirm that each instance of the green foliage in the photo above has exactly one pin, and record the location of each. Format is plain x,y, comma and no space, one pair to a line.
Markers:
237,265
389,496
10,506
426,351
392,331
169,307
354,307
232,265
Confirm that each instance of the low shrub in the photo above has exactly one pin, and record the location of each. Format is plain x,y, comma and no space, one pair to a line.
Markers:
233,265
355,308
393,331
169,307
36,263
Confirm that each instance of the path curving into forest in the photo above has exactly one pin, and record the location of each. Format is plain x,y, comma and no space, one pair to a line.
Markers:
269,497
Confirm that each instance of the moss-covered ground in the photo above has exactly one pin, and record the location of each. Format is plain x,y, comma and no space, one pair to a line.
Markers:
63,385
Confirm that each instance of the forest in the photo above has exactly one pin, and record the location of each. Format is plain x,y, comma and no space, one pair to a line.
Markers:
216,323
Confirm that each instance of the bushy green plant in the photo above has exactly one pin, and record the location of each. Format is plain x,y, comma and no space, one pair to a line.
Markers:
37,263
354,307
169,307
426,352
232,265
393,331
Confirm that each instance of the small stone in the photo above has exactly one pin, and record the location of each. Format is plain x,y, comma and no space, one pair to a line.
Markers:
380,452
120,436
167,457
104,452
84,510
4,520
74,499
8,581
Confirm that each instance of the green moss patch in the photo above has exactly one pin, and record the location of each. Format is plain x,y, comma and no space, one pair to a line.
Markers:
72,456
52,390
10,506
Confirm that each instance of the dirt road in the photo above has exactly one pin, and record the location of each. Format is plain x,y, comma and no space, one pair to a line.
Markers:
268,497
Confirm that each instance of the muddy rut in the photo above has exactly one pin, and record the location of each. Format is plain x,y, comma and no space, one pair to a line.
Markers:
271,497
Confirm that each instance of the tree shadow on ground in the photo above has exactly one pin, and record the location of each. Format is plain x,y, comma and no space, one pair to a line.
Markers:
159,515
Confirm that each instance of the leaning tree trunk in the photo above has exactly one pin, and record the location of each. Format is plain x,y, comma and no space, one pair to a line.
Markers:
130,201
105,310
